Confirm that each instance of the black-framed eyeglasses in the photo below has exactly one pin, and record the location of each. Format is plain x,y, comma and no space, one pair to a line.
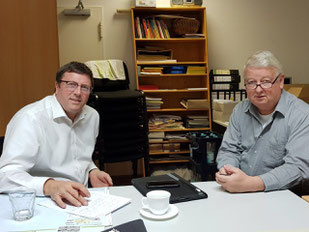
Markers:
264,85
72,85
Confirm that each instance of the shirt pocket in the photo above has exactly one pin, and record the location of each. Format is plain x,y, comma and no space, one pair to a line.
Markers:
276,153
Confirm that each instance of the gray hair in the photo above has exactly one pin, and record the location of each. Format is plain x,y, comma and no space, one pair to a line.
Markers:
263,59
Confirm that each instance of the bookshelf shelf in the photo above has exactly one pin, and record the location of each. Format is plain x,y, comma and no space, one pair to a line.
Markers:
171,152
166,40
170,141
170,87
181,130
156,63
172,75
169,161
176,110
174,90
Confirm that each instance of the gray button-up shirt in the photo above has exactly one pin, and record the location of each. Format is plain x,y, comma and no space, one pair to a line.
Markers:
279,153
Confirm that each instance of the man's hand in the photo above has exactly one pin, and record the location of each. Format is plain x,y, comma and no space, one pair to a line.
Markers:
69,191
235,180
100,179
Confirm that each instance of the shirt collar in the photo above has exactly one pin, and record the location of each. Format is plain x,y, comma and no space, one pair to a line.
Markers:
282,106
58,111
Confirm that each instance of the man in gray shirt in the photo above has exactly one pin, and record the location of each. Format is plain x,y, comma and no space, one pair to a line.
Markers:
265,146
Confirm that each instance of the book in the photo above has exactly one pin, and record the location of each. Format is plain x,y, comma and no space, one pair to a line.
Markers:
227,86
196,70
195,103
230,78
144,54
224,72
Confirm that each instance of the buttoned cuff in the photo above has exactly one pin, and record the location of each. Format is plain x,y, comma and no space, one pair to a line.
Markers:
38,185
270,181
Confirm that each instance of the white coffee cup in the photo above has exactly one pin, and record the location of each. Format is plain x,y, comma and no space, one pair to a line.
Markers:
157,201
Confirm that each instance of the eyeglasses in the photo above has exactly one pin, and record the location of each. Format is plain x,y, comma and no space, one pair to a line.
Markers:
72,85
264,85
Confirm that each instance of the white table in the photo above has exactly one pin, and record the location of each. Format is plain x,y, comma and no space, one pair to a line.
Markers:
222,211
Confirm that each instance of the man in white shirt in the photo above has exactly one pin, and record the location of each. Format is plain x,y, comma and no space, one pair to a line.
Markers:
49,144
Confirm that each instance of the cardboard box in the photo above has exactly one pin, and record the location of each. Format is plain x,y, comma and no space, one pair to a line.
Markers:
299,90
221,116
223,105
195,103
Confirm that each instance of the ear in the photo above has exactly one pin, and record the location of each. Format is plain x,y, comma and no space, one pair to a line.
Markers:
281,81
57,86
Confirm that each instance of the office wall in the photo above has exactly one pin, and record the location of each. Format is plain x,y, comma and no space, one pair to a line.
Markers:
236,29
29,54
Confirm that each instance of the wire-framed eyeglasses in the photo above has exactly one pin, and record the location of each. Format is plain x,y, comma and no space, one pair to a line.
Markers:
72,86
264,84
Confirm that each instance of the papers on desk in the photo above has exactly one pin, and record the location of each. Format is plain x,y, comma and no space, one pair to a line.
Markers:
99,205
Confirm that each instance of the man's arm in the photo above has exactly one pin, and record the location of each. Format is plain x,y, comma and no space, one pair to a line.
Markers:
230,150
296,160
20,152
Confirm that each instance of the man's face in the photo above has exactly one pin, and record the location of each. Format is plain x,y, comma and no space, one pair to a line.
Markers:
264,99
73,99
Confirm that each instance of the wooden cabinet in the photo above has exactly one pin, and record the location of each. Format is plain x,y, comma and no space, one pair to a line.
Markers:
29,54
171,87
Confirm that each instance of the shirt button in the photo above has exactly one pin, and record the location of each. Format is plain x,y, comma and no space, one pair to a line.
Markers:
254,151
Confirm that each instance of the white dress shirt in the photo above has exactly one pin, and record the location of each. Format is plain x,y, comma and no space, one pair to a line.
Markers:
41,142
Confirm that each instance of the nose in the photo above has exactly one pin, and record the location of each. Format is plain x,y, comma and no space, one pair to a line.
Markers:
258,88
77,90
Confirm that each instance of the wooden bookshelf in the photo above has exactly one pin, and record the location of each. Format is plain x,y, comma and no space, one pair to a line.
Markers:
173,88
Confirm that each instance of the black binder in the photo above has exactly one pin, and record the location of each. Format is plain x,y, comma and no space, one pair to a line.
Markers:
185,191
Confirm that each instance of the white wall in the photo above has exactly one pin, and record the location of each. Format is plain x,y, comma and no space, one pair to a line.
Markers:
236,29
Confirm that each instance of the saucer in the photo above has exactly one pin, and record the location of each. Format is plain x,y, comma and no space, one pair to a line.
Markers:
171,212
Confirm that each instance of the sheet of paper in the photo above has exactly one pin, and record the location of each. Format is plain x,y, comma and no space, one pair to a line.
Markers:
99,205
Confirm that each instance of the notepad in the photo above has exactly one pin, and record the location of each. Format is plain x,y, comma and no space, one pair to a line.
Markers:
99,205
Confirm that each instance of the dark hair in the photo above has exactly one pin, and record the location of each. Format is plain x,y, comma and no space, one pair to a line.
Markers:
75,67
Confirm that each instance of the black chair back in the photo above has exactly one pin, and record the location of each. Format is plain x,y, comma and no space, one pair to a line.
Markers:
1,144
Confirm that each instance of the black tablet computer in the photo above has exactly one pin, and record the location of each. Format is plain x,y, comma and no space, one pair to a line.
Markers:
180,189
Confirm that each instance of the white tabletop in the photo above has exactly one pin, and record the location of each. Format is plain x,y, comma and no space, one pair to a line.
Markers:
221,211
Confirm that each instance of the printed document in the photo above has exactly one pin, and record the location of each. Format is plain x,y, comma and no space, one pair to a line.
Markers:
99,205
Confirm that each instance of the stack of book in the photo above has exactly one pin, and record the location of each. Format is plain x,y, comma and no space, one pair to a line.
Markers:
195,103
151,28
165,122
196,70
154,55
197,121
156,136
222,79
153,102
150,70
174,69
176,136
